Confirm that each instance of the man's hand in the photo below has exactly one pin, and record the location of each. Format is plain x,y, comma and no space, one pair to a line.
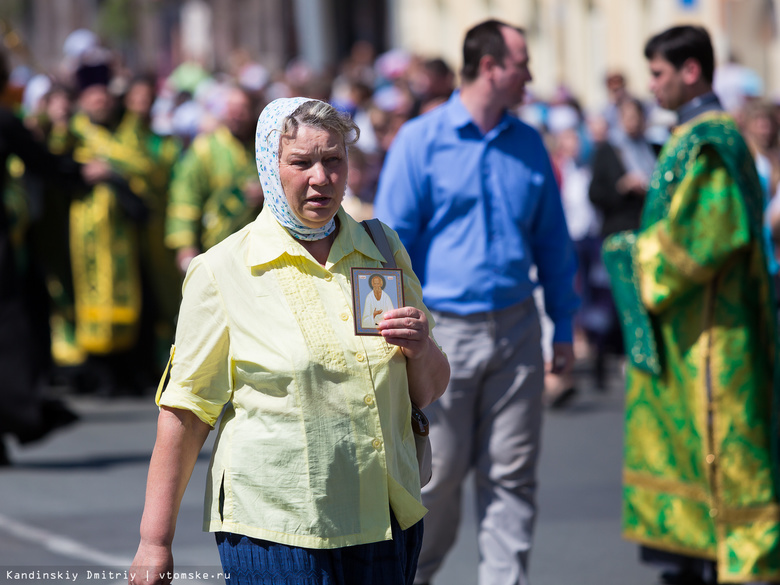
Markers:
253,192
184,256
96,171
563,359
632,184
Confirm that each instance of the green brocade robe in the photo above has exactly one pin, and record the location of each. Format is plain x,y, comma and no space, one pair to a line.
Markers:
104,246
207,202
695,299
158,261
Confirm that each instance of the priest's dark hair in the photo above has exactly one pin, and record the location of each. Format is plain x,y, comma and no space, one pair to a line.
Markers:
680,43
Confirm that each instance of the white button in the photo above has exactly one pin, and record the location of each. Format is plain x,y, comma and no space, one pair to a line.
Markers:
369,399
377,444
360,357
344,316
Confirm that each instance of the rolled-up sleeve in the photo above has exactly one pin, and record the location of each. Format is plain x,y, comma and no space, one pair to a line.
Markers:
201,380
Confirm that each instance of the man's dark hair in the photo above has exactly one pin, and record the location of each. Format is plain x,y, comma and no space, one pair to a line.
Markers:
438,67
680,43
631,101
484,39
144,78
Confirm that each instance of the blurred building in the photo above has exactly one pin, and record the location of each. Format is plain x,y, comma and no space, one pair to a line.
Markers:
157,35
573,42
576,42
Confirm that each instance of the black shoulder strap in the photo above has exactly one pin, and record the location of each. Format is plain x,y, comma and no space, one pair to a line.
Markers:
377,234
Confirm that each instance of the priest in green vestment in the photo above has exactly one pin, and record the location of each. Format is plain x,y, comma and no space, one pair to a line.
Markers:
215,190
104,225
691,286
158,262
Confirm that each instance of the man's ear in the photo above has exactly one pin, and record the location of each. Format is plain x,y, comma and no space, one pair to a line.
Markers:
691,71
487,64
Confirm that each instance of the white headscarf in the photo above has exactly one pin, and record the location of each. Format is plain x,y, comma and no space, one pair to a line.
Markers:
269,132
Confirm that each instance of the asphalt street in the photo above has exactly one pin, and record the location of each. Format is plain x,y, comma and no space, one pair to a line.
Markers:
70,506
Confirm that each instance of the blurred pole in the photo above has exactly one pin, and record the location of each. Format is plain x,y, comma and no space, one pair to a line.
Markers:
196,32
393,24
313,23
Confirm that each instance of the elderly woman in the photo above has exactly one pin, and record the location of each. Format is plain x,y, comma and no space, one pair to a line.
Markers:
314,477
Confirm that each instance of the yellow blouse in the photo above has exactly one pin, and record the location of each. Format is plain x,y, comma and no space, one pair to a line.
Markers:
315,440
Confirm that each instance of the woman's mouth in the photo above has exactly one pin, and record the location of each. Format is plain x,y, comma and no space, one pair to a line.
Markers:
318,200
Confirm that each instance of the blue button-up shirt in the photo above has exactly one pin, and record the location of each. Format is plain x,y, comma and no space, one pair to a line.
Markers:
476,212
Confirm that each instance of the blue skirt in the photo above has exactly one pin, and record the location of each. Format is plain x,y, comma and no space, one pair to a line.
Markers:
250,561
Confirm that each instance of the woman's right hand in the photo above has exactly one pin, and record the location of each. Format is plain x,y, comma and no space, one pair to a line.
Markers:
180,436
152,565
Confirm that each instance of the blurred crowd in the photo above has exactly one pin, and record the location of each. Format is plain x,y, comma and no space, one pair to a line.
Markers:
106,261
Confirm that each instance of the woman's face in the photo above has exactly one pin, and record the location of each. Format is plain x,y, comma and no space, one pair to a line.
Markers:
761,129
632,120
140,98
59,107
313,171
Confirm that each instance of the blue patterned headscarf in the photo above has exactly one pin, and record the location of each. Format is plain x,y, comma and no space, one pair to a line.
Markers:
269,132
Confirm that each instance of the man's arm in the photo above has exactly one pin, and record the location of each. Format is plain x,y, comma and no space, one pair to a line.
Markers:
400,190
555,260
35,155
189,189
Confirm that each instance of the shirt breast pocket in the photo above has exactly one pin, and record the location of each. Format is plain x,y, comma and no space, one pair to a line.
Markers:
457,193
523,195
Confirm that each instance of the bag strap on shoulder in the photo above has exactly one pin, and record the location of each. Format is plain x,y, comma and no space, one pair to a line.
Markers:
377,234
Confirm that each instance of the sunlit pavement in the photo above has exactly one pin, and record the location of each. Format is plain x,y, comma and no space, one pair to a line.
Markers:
73,502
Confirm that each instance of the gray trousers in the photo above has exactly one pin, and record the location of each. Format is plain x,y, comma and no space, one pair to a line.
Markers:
488,420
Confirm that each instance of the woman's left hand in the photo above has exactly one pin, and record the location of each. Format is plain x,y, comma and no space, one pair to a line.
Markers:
407,328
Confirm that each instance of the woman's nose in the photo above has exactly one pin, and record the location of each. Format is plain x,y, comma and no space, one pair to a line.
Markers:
318,175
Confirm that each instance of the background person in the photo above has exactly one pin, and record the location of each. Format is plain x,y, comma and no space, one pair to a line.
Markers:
470,185
700,463
314,472
160,275
105,221
621,171
215,191
25,358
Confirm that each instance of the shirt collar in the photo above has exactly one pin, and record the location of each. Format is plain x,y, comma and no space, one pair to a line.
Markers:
460,117
707,102
268,241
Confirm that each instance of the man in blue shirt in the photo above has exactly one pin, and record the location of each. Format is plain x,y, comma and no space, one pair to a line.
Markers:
470,191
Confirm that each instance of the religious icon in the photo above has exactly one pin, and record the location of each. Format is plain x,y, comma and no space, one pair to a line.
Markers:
374,292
